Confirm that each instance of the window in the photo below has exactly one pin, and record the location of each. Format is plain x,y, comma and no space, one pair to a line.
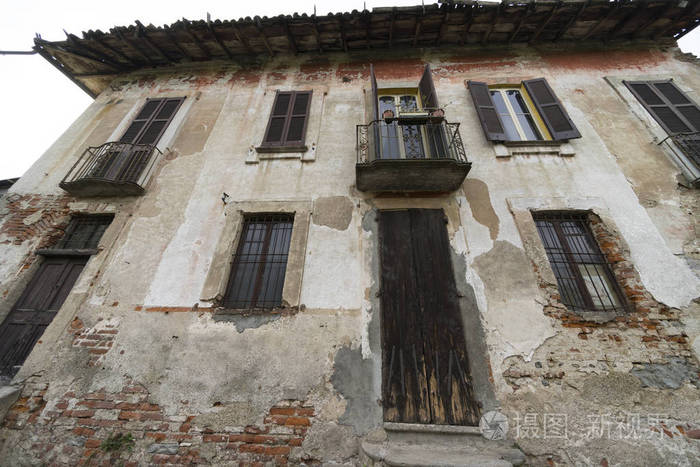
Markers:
529,111
260,262
516,116
674,111
84,232
48,289
286,129
584,278
125,160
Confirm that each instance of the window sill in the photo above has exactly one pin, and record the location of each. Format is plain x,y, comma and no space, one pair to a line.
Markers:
534,148
306,154
66,252
278,149
598,316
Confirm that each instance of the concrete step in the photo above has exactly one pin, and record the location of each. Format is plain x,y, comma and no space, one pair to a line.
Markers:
438,445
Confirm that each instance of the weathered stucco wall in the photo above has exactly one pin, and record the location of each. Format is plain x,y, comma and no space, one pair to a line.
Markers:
136,347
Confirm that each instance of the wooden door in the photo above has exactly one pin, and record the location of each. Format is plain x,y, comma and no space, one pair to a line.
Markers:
425,371
36,308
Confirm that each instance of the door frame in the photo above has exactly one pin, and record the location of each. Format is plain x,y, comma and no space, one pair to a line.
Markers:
477,352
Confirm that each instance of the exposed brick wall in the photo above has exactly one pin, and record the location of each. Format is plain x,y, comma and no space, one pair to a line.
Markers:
649,328
98,339
49,215
72,429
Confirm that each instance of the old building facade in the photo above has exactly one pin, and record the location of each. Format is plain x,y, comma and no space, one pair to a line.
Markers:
366,238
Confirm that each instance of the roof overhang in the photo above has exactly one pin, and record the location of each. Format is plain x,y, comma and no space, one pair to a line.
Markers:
94,60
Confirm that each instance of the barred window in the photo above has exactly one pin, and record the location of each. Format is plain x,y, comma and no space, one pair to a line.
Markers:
584,278
84,232
260,262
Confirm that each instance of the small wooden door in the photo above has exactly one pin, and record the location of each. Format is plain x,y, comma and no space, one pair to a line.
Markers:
425,371
36,308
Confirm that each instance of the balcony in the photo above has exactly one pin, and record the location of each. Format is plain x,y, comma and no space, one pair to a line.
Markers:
113,169
410,155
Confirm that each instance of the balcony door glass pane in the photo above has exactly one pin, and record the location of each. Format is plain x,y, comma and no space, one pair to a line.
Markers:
388,132
412,135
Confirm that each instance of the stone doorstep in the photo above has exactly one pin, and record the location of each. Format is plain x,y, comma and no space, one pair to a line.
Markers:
8,396
409,444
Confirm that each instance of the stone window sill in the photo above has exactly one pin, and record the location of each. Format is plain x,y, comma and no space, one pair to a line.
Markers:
304,153
534,148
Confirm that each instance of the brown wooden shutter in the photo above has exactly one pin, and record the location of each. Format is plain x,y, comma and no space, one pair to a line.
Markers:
375,112
375,95
485,108
669,106
428,96
288,119
551,109
150,123
298,118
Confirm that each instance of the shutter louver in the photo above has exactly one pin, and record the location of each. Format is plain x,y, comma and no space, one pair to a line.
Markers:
667,104
428,96
551,110
298,118
485,108
151,121
288,119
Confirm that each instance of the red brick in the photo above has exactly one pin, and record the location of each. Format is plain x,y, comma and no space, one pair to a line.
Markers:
79,413
297,421
256,448
126,406
93,443
277,450
82,431
296,441
282,411
125,415
214,438
149,407
305,411
98,351
98,404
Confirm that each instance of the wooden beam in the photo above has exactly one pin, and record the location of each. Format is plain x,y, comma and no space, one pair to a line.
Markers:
368,26
539,30
443,21
41,50
132,46
344,41
528,10
115,51
290,38
195,39
142,33
80,56
571,22
417,31
90,52
468,19
223,47
634,14
173,38
493,25
391,27
258,27
317,34
691,9
595,27
241,38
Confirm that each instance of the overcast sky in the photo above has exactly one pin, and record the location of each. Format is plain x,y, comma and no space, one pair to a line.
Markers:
39,103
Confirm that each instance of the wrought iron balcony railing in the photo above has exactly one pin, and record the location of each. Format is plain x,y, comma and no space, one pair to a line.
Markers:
410,156
112,169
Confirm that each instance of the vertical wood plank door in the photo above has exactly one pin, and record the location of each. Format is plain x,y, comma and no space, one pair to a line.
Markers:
35,309
425,371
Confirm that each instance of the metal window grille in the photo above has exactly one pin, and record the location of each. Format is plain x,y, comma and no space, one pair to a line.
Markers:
260,262
84,232
584,276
